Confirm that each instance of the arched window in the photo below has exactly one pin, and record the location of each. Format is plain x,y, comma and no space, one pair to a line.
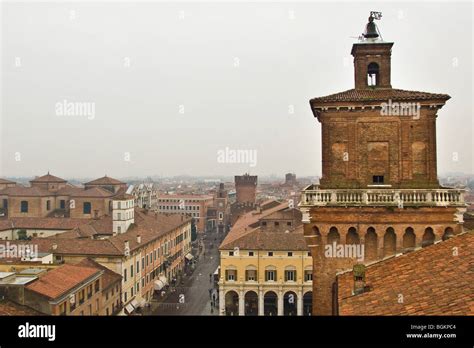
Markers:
428,237
371,244
317,234
251,303
373,74
352,236
389,242
448,233
409,240
333,236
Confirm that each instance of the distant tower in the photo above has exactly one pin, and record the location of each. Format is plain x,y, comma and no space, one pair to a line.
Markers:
290,179
246,188
222,208
122,213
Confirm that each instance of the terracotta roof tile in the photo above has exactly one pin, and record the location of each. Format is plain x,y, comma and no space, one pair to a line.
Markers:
109,277
184,196
5,181
149,226
93,192
26,191
11,308
68,246
59,281
360,95
47,178
247,222
105,180
49,223
259,239
432,280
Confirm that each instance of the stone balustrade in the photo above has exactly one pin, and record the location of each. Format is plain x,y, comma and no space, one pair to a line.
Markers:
313,196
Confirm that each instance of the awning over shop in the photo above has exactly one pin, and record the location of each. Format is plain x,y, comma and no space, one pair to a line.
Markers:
217,270
189,257
163,279
159,285
129,308
134,303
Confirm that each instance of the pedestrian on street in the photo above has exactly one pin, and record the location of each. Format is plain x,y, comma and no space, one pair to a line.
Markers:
212,310
210,277
210,293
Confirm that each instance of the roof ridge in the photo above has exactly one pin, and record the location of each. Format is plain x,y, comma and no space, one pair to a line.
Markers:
398,256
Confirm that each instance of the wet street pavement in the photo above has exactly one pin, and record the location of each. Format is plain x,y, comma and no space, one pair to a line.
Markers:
192,297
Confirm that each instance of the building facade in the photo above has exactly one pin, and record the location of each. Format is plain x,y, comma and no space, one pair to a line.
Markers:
379,194
246,188
265,265
50,196
195,206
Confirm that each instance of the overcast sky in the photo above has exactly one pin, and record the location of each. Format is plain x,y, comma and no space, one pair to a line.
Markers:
172,84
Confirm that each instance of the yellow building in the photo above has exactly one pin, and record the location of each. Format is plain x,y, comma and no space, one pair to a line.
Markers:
265,267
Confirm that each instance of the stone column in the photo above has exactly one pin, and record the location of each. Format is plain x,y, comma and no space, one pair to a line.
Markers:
299,303
380,237
280,302
241,303
260,302
221,302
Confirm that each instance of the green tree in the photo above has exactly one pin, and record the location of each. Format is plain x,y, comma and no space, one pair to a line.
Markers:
22,235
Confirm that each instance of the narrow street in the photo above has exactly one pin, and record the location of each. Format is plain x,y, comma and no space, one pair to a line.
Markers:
192,297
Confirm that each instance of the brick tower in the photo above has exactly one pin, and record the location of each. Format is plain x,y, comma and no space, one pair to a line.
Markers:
246,188
379,194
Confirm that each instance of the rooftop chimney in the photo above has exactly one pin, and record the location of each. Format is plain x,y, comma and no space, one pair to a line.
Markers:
139,239
55,246
359,279
127,248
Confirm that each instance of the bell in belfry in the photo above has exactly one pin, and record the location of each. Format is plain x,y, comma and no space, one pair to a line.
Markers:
371,29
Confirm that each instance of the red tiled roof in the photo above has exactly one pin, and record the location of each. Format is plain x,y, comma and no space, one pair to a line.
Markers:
49,223
432,281
105,180
247,222
47,178
109,277
5,181
377,94
68,190
94,192
61,280
149,226
69,246
184,196
268,239
11,308
26,191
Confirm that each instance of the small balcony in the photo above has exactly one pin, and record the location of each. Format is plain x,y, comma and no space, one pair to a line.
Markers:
442,197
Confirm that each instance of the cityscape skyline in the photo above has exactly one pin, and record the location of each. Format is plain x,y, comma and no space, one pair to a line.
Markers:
169,161
147,112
